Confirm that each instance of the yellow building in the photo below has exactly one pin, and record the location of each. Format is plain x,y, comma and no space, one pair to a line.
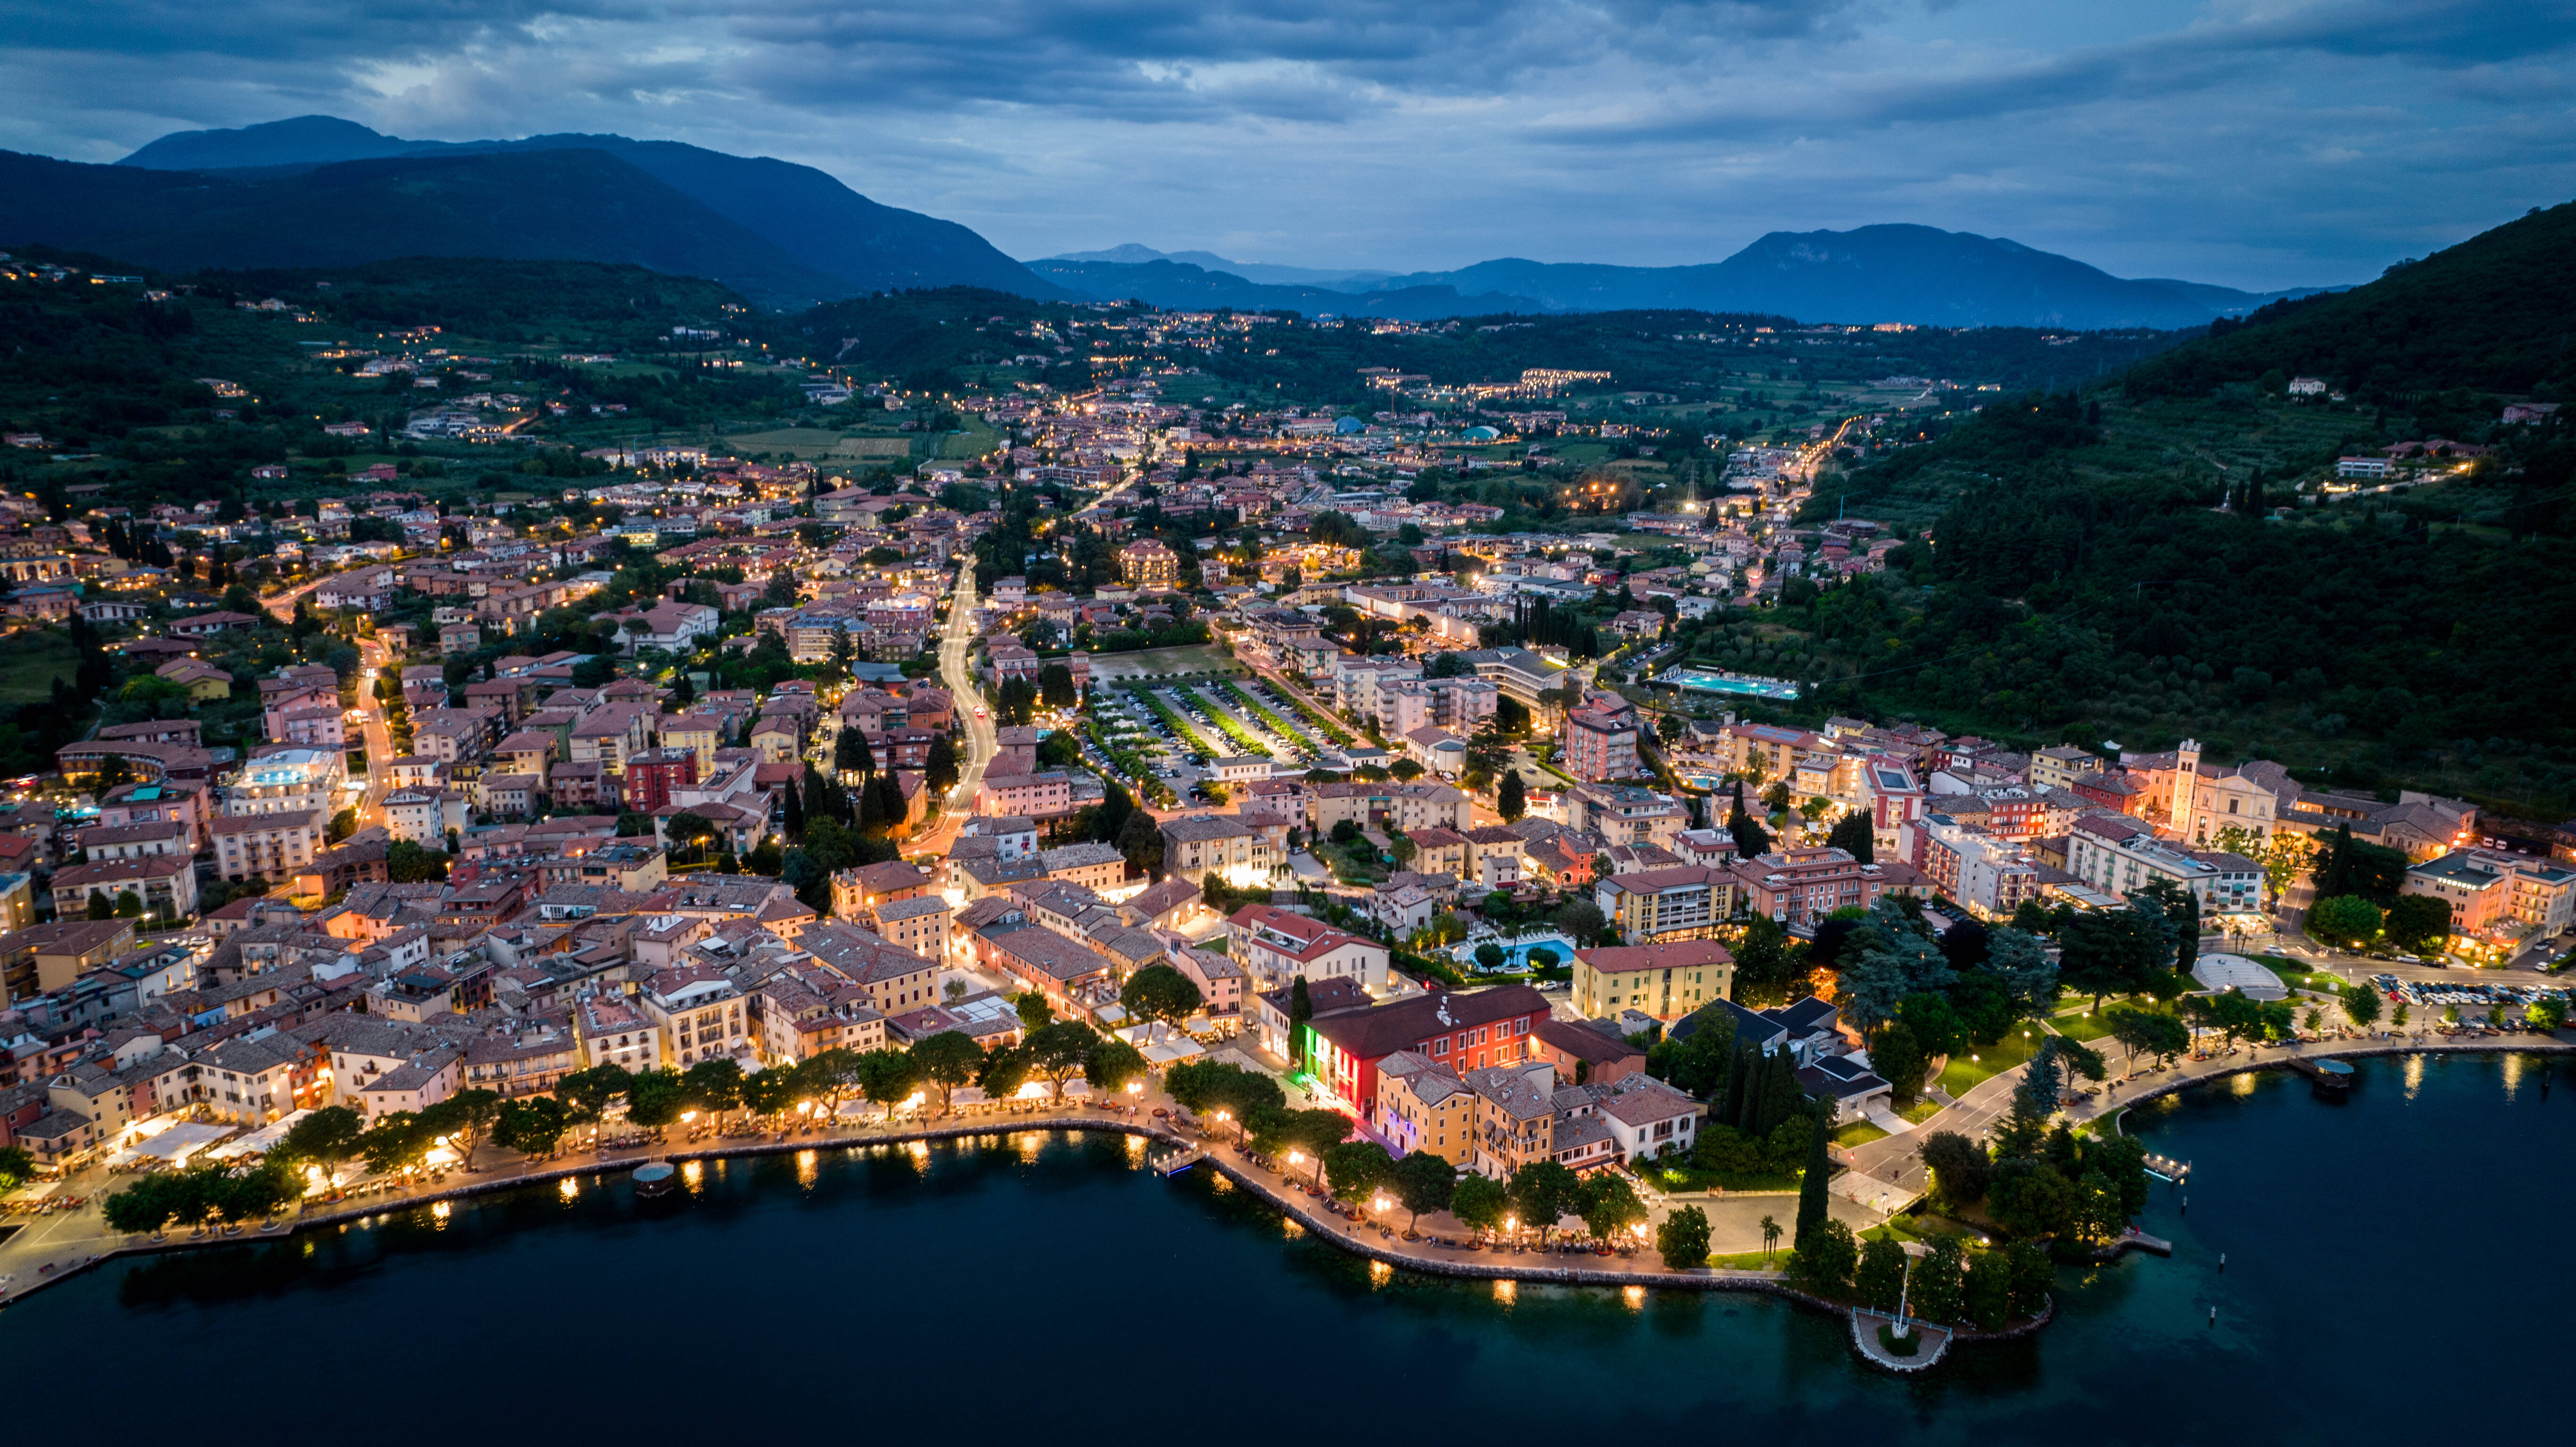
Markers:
1147,564
1667,981
1423,1106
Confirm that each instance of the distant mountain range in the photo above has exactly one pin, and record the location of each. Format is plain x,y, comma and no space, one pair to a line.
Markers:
1873,274
1184,286
317,190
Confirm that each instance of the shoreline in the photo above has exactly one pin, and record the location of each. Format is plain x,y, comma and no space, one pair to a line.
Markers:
2111,1110
1305,1211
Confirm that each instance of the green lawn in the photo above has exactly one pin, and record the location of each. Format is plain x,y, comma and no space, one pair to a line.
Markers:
1858,1133
1964,1072
31,661
2081,1026
972,439
1920,1111
1755,1260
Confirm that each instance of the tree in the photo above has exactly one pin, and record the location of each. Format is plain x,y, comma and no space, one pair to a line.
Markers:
1609,1205
531,1126
100,906
2345,919
327,1138
1301,1008
1159,992
1958,1165
1880,1279
1003,1072
1055,686
1751,839
2147,1032
1034,1011
1898,1056
1112,1063
2419,923
1479,1202
2361,1004
2017,960
1823,1258
1013,704
1812,1207
1939,1293
948,1060
767,1095
939,766
1698,1062
462,1120
1313,1131
1770,1236
1581,919
18,1164
714,1086
396,1142
886,1076
655,1098
1058,1052
689,830
1355,1168
1424,1182
587,1094
1511,796
1986,1293
2110,952
1140,839
1543,1192
1891,957
850,751
2030,1277
2181,909
1682,1238
1854,835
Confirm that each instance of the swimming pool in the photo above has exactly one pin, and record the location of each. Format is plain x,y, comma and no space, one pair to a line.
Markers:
1516,953
1709,680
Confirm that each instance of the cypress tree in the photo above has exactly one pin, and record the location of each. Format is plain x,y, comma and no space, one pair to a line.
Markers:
1750,837
1812,1210
1511,799
1301,1008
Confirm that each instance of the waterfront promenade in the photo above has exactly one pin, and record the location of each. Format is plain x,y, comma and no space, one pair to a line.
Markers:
1896,1160
68,1241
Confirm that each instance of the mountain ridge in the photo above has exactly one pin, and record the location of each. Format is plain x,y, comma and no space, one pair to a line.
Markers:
804,212
562,205
1893,273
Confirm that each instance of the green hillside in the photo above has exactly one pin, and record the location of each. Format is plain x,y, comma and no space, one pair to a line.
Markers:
2489,315
2169,554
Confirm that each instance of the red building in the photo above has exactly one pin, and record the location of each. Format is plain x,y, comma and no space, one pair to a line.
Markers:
1600,744
1802,886
1461,1031
654,773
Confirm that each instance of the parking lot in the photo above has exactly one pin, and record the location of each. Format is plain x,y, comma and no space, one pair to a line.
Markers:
1197,724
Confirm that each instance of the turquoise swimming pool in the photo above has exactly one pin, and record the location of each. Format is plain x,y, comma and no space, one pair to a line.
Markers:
1709,680
1516,953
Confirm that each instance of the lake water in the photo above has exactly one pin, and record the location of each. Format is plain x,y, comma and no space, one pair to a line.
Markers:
2389,1261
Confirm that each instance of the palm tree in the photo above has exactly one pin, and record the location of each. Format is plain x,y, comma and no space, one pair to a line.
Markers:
1770,1236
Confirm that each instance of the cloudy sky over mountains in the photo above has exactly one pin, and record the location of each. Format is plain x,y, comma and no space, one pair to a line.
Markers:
2253,142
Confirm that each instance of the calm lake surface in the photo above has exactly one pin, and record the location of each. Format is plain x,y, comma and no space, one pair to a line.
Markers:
2388,1270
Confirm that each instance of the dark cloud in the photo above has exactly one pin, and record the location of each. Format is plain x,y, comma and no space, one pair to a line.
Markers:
2247,140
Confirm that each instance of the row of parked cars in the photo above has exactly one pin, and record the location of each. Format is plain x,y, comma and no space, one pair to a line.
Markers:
2464,992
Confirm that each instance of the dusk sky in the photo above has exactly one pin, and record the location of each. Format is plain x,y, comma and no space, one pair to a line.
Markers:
2258,143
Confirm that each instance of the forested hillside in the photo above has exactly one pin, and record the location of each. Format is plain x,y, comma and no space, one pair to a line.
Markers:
2491,314
2169,554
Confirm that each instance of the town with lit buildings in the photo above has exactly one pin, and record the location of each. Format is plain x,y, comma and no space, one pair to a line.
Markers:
704,762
